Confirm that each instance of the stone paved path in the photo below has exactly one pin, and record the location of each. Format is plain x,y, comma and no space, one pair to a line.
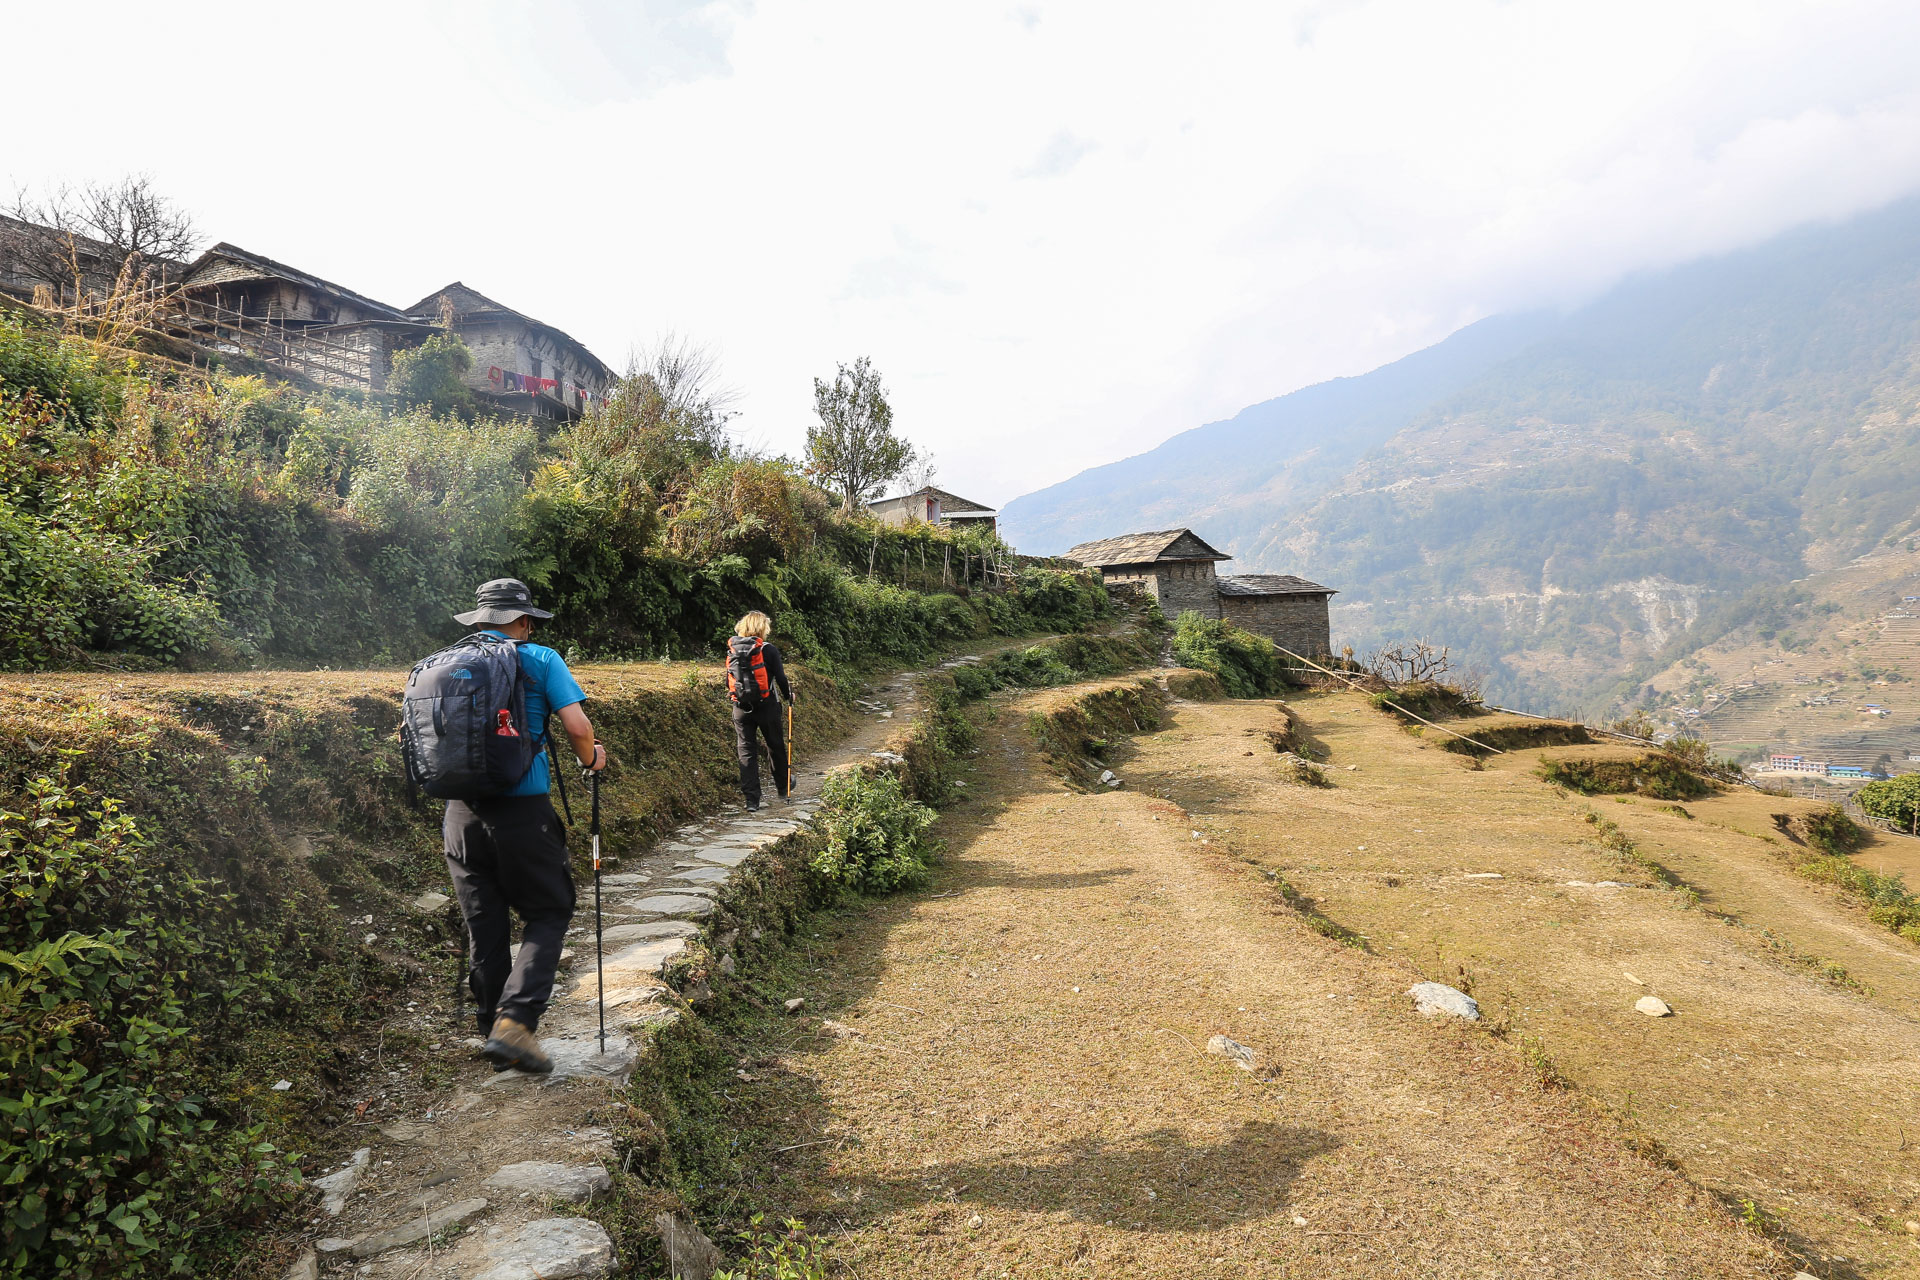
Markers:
464,1192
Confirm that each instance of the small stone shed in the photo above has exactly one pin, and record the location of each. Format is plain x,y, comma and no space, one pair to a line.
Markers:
1176,568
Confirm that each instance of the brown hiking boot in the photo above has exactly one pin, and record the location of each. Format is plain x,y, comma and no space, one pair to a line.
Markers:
512,1045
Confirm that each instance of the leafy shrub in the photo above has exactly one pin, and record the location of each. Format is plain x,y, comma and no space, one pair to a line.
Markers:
1895,799
875,834
432,375
112,1157
1246,664
788,1254
1830,830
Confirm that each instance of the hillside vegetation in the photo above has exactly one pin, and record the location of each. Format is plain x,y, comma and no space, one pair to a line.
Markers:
149,518
1575,502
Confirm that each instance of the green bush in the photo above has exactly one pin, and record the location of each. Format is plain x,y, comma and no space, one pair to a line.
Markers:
433,375
1895,799
875,834
791,1253
111,1156
1248,665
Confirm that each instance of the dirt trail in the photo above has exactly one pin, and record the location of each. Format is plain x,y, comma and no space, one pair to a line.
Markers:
1026,1089
429,1203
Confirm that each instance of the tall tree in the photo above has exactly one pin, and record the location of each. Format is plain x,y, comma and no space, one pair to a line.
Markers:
853,450
88,238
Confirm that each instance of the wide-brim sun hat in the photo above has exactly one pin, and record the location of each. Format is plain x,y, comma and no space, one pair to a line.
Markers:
499,602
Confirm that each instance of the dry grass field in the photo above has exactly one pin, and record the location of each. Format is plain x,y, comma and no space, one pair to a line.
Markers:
1019,1083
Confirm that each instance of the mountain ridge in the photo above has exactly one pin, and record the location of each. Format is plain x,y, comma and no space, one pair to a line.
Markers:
1576,500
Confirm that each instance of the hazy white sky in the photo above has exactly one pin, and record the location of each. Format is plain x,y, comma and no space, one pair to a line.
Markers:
1062,231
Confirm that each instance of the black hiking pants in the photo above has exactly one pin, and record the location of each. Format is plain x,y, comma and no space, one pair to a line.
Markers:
510,852
769,722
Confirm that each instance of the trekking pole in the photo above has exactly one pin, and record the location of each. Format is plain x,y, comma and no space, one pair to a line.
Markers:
789,750
599,968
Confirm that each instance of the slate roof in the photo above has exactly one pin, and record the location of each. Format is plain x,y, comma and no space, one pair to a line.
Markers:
1144,548
1271,584
268,267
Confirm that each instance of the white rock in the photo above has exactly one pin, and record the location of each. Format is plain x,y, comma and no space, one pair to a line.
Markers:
1653,1007
339,1187
1432,998
575,1182
1106,776
1239,1054
306,1268
551,1249
428,903
332,1246
281,1086
1483,875
1113,782
795,1005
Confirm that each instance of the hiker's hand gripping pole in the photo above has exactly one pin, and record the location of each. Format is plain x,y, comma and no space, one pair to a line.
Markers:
599,969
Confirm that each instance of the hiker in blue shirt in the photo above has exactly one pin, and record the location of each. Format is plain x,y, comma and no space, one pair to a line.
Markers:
509,851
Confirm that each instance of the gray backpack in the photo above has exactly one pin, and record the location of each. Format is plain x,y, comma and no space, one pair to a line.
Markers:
463,720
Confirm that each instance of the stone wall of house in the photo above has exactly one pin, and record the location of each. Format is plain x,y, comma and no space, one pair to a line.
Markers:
515,348
1178,586
1296,622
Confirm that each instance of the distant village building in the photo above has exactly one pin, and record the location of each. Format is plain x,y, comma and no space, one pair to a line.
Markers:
933,506
519,364
1796,764
1176,568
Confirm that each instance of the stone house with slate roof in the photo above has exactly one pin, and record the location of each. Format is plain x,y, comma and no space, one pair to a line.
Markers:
518,361
1176,568
519,364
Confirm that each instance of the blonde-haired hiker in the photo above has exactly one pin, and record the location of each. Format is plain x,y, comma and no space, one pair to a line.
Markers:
757,683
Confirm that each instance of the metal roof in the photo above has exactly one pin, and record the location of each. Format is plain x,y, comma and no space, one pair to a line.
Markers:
1271,584
1144,548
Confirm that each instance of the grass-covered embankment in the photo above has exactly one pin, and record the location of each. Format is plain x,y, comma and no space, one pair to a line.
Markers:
207,883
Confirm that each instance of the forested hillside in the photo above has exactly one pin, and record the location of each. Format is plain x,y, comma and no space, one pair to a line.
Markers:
1606,490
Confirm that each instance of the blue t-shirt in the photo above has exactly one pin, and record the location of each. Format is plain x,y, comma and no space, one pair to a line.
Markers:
550,686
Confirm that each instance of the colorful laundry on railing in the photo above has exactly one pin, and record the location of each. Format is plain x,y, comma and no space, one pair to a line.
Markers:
513,382
493,375
535,385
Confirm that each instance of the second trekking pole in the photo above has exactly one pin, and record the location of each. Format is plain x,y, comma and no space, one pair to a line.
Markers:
789,786
599,968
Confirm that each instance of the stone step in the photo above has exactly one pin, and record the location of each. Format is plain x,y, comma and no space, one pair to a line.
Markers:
550,1247
413,1230
574,1182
